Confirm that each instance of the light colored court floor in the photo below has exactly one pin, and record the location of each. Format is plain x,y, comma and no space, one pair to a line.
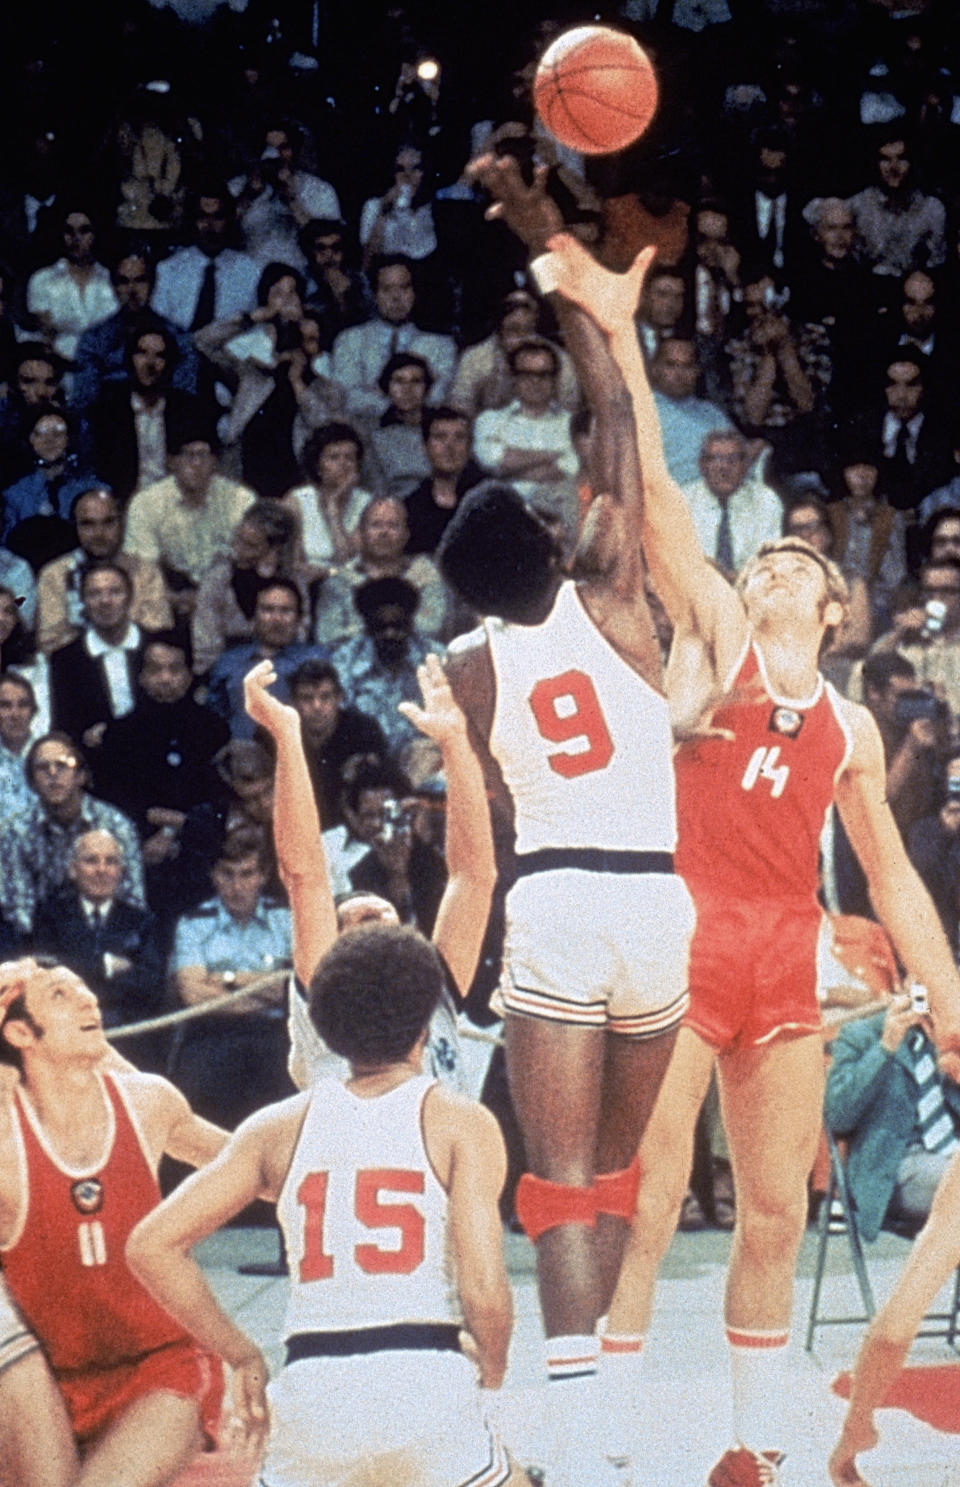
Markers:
685,1362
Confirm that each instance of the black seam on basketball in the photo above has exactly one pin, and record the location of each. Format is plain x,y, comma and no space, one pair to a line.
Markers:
613,108
561,98
590,67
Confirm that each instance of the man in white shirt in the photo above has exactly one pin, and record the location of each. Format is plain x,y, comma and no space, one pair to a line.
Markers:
898,227
361,352
74,293
732,510
275,200
209,280
528,442
186,520
685,419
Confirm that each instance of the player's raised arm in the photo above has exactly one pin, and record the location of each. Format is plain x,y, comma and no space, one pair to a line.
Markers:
693,592
899,898
614,472
472,872
296,826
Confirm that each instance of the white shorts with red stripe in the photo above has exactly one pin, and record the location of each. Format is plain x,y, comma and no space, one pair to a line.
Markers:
598,949
408,1418
16,1340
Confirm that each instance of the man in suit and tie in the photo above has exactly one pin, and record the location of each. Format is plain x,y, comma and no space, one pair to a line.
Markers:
886,1094
110,943
767,226
93,679
209,280
917,451
361,352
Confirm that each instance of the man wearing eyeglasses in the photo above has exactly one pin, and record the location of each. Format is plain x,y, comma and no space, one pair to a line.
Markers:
528,442
36,844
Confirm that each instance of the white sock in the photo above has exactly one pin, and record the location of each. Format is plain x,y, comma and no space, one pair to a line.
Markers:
574,1405
760,1386
620,1359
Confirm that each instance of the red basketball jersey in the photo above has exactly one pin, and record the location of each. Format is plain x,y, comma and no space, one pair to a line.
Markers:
751,808
66,1268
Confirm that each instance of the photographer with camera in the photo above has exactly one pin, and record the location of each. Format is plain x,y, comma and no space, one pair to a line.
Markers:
401,867
927,631
279,399
901,1116
914,727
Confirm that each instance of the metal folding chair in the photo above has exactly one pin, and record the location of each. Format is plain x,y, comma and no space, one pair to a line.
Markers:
838,1216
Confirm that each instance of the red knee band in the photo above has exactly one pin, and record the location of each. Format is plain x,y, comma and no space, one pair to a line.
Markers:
616,1192
543,1205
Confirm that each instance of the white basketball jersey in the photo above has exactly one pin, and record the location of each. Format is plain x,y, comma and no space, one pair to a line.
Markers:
363,1215
583,742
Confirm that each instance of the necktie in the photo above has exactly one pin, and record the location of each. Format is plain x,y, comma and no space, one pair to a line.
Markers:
934,1121
901,470
207,298
724,548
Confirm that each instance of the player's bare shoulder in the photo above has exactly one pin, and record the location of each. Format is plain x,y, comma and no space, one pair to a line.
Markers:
452,1125
157,1104
469,668
866,746
273,1134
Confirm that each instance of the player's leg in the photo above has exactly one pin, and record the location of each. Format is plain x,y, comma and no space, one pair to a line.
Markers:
556,1078
632,1075
36,1442
666,1153
934,1255
772,1103
152,1441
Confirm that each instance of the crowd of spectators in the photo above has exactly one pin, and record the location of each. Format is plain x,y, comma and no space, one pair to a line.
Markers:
257,341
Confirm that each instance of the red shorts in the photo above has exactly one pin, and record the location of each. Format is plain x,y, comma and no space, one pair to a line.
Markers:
753,969
97,1397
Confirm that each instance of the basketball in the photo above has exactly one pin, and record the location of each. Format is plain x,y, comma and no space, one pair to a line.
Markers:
595,90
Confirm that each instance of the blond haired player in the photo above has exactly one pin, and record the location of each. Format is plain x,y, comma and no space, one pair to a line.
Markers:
773,747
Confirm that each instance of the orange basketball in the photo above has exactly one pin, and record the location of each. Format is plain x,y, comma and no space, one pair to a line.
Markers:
595,89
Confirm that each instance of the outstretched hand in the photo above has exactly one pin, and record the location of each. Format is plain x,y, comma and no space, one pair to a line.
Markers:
440,717
277,717
609,299
528,210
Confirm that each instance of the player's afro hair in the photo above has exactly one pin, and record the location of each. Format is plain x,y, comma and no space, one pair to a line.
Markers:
498,556
374,992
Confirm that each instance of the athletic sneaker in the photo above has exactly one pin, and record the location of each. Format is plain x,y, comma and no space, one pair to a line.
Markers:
742,1467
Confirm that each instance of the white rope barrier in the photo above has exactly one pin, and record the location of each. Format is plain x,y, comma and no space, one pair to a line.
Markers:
241,994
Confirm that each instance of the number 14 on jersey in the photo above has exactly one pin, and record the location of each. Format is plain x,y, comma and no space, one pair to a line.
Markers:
763,765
